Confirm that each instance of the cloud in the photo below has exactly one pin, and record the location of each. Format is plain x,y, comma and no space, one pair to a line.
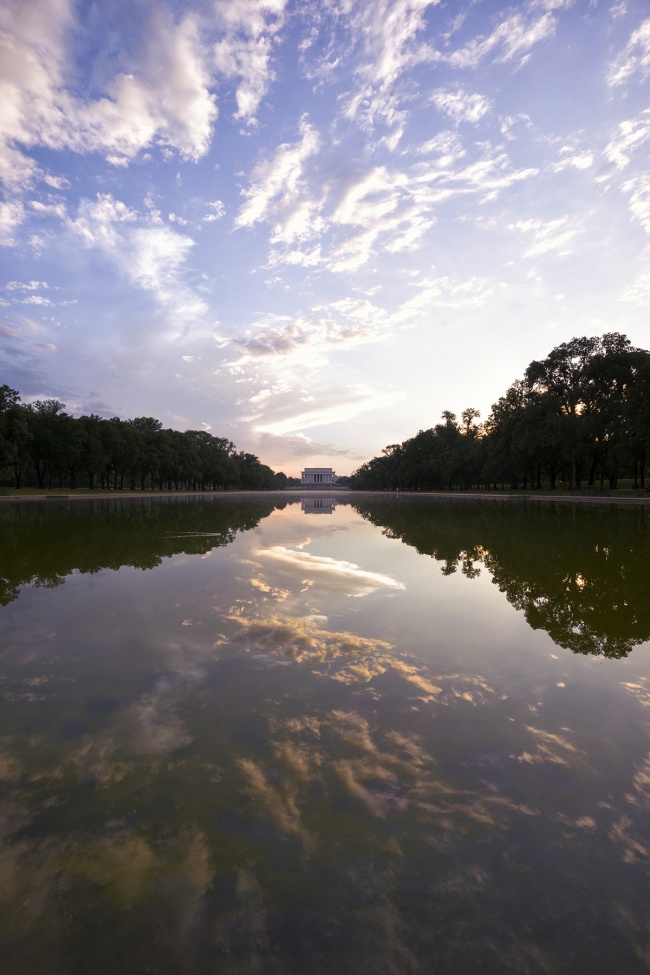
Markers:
386,33
548,235
371,198
391,211
276,337
340,324
154,89
639,191
56,182
639,292
322,406
251,29
443,292
635,57
216,212
287,449
461,106
12,215
278,190
342,223
28,286
52,209
161,94
570,158
146,251
446,145
37,300
513,38
631,135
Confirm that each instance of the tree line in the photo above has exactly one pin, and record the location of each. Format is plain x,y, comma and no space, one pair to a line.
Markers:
41,444
580,416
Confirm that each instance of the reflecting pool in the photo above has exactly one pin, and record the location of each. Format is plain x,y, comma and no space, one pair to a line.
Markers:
335,734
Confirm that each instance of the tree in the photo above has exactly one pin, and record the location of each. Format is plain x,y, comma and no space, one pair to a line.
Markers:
569,372
468,416
14,432
93,451
49,448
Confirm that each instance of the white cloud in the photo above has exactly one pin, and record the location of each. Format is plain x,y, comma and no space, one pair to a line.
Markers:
389,29
548,235
382,210
371,198
639,292
460,106
329,406
56,182
216,212
12,215
28,286
631,135
639,190
148,253
245,51
570,158
635,56
443,292
381,40
487,175
511,122
513,38
53,209
446,145
159,92
278,190
163,96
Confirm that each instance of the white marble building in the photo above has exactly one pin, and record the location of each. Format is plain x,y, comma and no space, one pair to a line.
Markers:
317,477
318,506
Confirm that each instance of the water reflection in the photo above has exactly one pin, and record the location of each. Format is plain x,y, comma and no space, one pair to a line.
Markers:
578,573
282,757
41,543
318,505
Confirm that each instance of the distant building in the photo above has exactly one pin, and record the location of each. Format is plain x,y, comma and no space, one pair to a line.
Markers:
318,506
317,477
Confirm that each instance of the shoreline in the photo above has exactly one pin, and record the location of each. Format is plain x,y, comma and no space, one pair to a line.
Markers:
100,495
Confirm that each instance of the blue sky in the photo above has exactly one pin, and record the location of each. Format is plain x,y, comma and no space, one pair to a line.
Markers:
312,226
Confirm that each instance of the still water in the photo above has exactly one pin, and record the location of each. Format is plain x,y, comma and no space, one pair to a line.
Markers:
313,735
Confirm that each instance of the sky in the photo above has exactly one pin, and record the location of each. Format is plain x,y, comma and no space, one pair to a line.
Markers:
311,226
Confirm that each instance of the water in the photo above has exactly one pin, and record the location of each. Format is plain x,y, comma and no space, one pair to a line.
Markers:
351,736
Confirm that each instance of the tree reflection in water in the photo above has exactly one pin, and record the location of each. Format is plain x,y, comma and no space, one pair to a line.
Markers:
579,572
41,543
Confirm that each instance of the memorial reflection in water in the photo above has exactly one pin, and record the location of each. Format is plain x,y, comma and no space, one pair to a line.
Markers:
408,737
318,505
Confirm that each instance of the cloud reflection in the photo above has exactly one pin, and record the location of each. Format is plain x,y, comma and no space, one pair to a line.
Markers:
342,656
549,747
329,573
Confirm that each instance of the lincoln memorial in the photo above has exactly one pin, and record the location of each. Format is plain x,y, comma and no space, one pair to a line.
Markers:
317,477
